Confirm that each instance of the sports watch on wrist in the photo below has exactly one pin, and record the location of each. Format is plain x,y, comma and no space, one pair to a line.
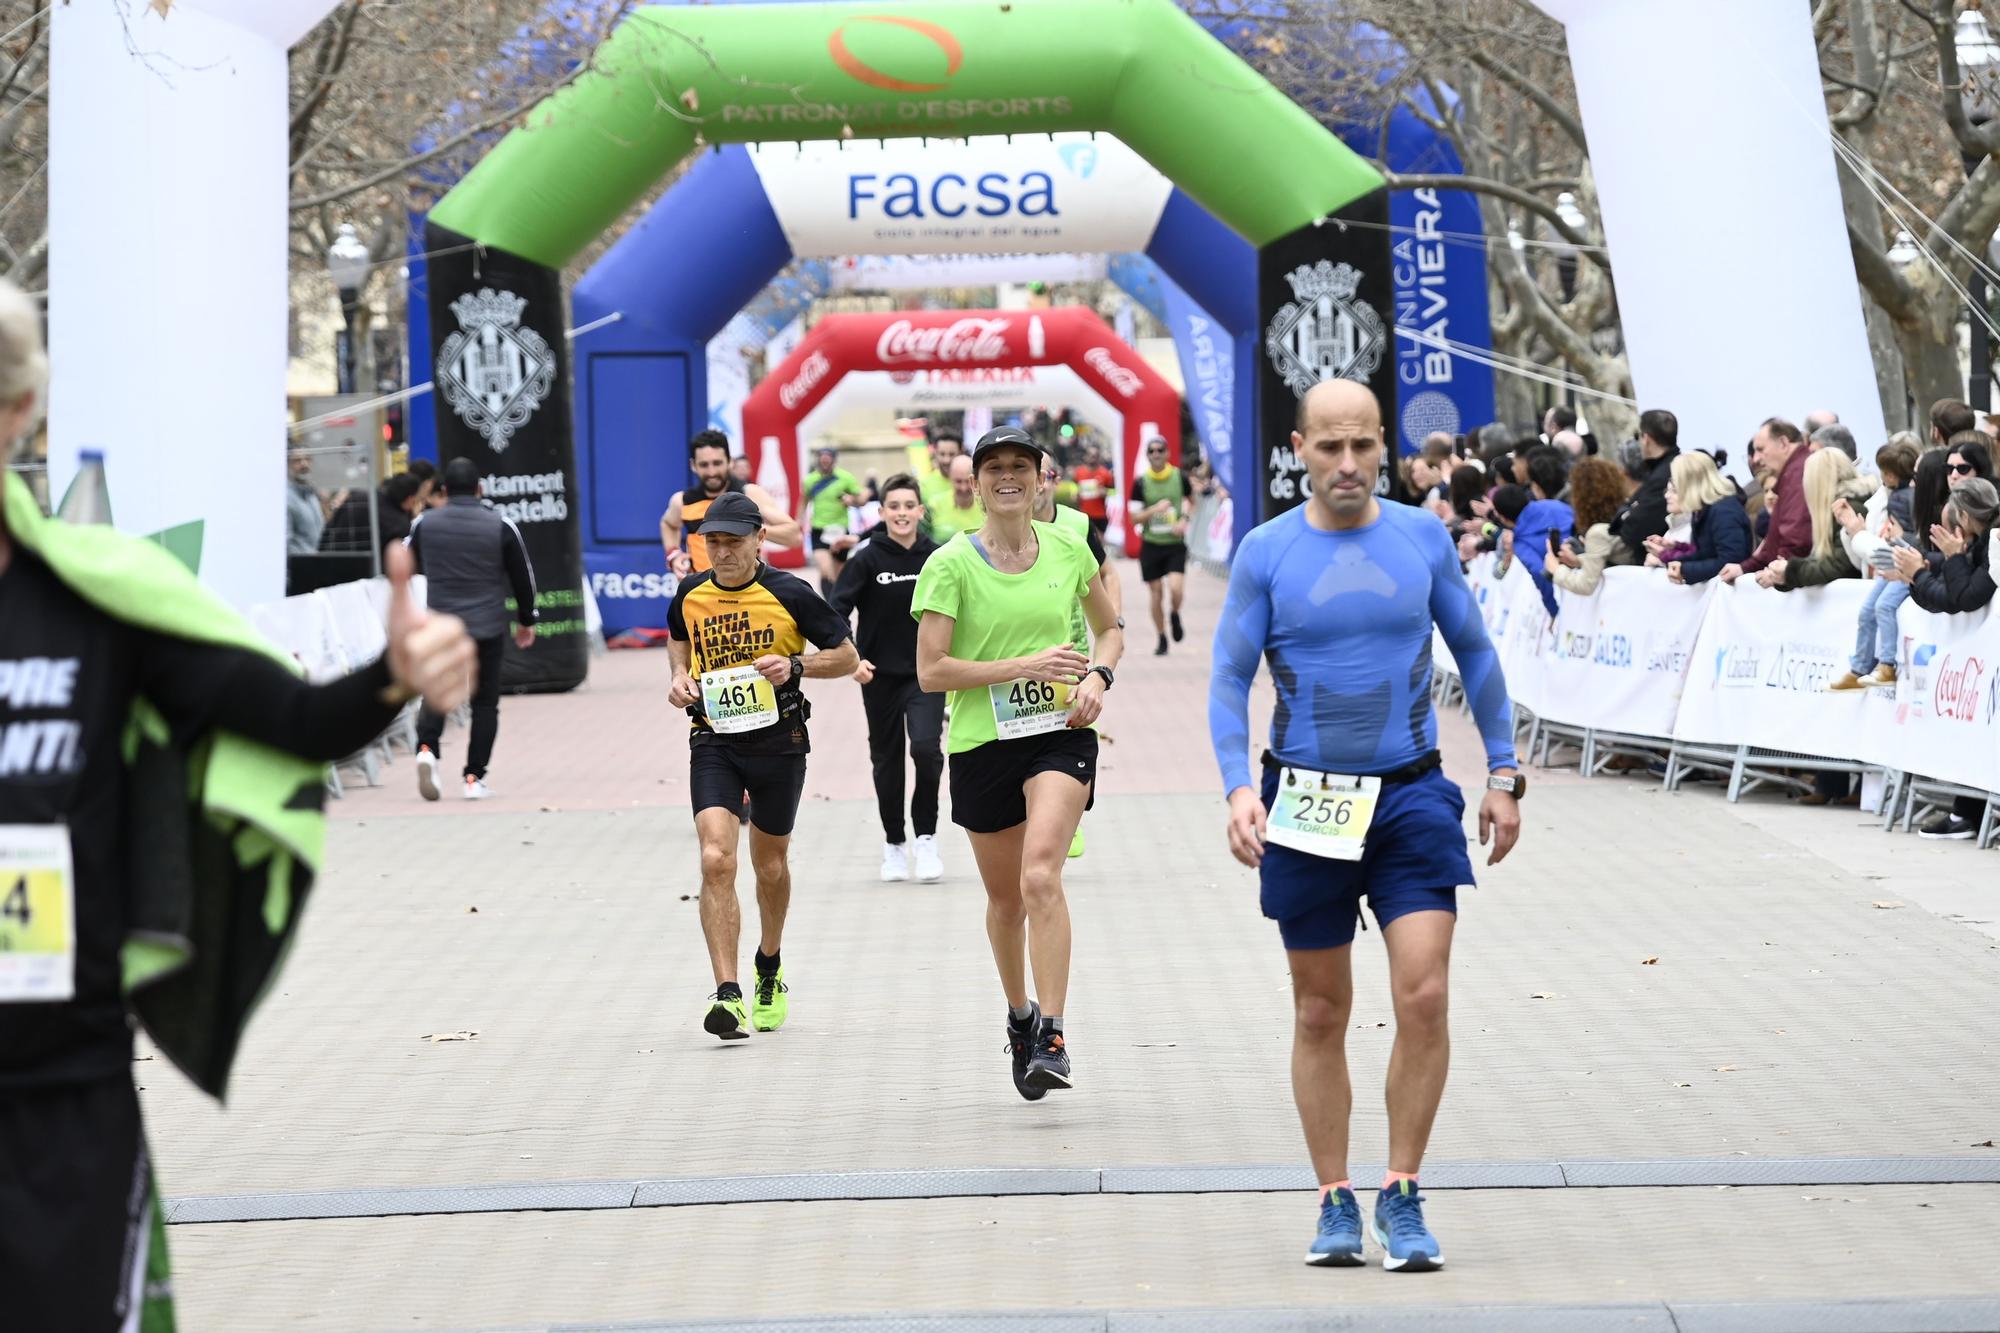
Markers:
1103,671
1516,786
798,668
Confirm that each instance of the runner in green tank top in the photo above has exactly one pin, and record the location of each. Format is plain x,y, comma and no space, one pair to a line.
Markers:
1162,500
1047,510
993,628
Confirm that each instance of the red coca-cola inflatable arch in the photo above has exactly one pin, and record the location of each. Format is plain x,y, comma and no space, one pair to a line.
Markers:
956,339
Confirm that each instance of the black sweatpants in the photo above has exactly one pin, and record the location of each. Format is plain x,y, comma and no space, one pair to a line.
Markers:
485,711
81,1246
895,705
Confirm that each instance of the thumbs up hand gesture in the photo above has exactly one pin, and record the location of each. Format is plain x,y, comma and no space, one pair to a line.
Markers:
429,655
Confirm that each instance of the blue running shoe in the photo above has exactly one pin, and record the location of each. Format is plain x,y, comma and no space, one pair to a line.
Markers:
1338,1244
1407,1244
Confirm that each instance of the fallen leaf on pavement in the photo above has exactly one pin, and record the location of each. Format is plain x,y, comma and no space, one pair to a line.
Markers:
1725,1069
1648,962
1988,1144
450,1036
1684,1085
1886,904
1545,995
472,911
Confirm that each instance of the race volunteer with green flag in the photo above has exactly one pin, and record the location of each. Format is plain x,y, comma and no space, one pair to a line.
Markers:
993,628
161,773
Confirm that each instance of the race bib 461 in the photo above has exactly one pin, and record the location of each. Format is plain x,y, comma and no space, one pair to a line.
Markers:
739,699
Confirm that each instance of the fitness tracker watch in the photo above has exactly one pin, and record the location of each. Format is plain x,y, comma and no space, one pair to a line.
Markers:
1103,671
1516,786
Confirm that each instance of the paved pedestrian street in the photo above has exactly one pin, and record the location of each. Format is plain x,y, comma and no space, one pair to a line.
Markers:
1714,1066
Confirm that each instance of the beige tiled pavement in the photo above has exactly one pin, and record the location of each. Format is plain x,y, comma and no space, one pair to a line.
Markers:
1785,1015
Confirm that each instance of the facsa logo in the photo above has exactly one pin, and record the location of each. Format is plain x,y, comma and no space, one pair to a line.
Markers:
628,587
863,72
991,194
961,341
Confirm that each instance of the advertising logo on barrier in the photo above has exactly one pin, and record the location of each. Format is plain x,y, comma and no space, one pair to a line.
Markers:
986,195
493,372
1120,377
1424,362
1327,333
1738,666
963,340
1955,698
1803,668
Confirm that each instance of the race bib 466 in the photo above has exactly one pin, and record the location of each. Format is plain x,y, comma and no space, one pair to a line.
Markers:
1028,707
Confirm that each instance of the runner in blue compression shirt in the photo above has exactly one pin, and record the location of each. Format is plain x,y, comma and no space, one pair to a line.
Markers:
1340,596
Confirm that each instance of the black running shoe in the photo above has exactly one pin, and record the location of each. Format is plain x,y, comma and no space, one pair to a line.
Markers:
1174,618
1048,1067
1161,651
1020,1044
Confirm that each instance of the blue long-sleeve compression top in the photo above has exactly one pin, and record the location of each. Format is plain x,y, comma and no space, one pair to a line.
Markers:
1344,619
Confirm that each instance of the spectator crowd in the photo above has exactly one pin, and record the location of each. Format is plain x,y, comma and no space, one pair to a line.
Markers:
1916,520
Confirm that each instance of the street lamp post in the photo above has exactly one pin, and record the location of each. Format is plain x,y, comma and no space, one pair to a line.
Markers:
347,265
1978,67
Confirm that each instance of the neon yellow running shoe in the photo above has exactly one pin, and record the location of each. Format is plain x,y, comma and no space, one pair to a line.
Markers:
725,1017
769,1002
1076,844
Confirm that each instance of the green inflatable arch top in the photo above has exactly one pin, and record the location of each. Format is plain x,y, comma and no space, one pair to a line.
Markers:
1140,69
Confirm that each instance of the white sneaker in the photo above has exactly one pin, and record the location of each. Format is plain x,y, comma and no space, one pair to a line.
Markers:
895,863
475,790
929,868
427,775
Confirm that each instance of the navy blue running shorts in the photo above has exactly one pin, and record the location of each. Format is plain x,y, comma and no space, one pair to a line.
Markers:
1414,861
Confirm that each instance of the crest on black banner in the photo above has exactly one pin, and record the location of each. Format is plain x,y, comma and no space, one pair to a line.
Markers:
493,372
1326,332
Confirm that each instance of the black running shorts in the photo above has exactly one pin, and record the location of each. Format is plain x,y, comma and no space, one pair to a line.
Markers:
1158,559
81,1247
718,777
989,782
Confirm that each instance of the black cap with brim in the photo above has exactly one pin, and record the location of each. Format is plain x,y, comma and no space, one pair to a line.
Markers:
731,512
1004,437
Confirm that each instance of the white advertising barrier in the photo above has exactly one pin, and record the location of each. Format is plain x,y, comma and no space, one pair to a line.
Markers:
1745,665
1057,194
1943,720
1761,667
1618,659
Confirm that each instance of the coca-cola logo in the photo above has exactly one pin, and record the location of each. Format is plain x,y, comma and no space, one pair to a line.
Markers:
801,384
1122,378
960,341
1956,694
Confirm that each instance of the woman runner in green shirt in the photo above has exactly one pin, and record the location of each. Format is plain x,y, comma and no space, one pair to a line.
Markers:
993,628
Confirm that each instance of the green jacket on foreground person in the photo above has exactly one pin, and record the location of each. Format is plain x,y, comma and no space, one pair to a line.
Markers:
223,837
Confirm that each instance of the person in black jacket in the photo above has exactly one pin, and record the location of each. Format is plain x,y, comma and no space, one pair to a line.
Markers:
395,501
1963,579
473,557
877,581
1645,514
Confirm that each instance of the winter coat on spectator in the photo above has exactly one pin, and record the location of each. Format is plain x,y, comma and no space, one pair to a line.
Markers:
1849,555
1597,544
1962,582
1531,542
1721,537
1883,505
1790,534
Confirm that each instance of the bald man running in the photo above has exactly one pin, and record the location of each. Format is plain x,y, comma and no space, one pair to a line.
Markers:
1341,594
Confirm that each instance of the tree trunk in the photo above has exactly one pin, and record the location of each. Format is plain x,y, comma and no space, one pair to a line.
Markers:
1930,362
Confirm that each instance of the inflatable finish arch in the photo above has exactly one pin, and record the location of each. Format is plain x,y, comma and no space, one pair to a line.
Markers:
673,76
711,243
930,340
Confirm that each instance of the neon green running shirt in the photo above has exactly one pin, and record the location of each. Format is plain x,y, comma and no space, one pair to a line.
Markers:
999,616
